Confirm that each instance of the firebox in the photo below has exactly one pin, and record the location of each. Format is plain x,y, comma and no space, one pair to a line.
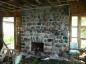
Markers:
37,46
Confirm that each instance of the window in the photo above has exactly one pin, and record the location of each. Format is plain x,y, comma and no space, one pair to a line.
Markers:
74,29
8,31
83,32
78,30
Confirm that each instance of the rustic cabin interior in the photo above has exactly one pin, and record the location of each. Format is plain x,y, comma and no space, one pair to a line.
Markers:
42,31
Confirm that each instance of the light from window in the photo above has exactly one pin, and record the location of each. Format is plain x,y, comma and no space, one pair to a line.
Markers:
74,40
8,31
78,30
8,19
74,32
83,21
83,43
74,20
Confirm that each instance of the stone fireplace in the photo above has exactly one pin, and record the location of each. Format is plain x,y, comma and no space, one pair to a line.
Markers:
45,28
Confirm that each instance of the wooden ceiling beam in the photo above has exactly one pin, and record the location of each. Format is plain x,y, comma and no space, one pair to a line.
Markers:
19,4
9,4
38,2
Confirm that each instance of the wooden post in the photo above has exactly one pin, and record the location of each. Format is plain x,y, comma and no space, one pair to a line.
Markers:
1,33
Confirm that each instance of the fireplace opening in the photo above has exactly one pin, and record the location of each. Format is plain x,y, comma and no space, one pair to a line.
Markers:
37,46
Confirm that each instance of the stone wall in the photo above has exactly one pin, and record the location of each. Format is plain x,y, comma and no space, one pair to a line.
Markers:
48,25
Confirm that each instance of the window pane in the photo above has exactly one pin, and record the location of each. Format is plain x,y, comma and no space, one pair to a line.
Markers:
83,32
83,21
74,32
8,19
73,45
83,43
8,31
74,20
74,40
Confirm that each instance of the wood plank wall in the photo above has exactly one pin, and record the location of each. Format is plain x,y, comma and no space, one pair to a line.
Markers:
17,21
78,7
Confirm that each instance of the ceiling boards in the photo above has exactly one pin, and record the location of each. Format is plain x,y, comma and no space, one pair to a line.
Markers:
18,4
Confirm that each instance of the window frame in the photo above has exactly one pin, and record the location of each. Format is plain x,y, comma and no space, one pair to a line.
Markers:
81,38
78,30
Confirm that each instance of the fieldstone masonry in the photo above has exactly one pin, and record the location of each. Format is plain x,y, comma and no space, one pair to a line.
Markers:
48,25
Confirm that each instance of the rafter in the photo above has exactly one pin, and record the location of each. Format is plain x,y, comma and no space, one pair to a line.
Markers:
18,4
6,3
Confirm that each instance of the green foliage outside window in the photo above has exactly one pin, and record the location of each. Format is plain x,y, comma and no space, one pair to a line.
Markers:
8,39
83,32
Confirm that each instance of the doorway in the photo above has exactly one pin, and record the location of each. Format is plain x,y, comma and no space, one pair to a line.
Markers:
8,31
